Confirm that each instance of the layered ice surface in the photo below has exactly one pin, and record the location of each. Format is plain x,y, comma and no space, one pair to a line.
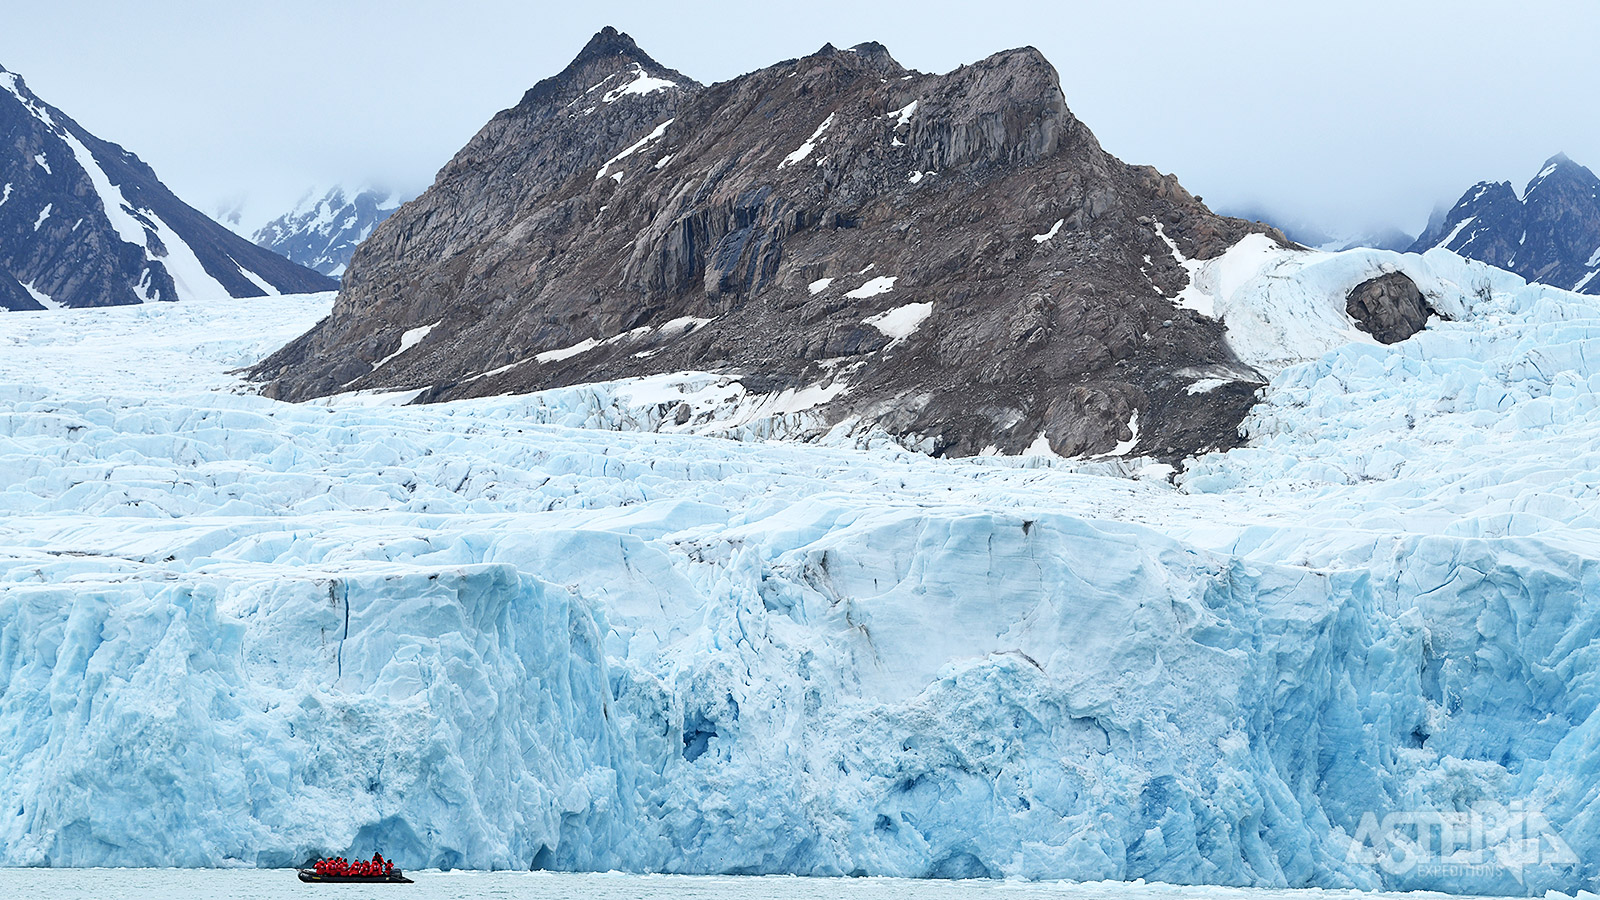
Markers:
235,631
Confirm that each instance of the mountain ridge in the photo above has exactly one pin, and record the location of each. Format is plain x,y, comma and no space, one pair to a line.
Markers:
1549,234
323,233
85,222
785,215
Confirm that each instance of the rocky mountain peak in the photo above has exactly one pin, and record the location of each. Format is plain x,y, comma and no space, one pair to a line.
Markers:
950,259
1558,161
1561,173
1551,234
608,41
610,62
872,54
323,230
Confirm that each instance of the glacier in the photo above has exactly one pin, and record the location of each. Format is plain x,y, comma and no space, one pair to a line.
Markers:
565,631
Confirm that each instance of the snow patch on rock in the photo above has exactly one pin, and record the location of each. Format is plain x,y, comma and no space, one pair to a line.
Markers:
411,338
654,135
881,284
804,150
901,322
641,83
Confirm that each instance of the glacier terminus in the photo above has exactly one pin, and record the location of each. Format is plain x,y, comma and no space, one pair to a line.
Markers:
563,631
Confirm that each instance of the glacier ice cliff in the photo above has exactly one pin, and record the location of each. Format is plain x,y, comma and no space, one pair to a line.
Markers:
239,631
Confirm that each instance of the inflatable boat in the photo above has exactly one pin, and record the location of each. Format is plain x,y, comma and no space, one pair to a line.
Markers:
310,876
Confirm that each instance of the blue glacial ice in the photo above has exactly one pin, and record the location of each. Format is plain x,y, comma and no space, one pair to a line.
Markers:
234,631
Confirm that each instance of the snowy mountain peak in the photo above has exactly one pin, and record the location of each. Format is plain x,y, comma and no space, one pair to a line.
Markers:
1495,191
1557,161
610,67
323,230
1550,234
18,88
84,222
1559,169
1317,236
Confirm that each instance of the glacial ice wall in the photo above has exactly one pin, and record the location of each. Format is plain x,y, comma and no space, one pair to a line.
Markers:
233,630
206,721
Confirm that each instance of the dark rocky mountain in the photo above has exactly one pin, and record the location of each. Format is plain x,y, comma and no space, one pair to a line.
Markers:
84,222
957,250
323,233
1551,234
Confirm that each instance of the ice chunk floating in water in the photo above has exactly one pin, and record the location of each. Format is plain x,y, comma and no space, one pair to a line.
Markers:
234,629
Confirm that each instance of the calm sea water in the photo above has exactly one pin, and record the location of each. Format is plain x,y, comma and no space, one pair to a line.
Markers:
273,884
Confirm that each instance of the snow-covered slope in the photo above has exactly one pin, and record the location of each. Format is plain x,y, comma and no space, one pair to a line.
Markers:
84,222
235,629
322,232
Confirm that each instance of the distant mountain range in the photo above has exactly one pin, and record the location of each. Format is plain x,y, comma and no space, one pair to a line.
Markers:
321,233
1310,234
84,222
1550,234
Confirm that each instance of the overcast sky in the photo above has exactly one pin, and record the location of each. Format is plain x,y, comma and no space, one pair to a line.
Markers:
1349,114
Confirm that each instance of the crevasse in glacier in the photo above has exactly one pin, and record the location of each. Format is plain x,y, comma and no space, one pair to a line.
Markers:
237,630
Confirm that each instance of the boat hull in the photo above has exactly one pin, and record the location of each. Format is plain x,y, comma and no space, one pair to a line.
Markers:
310,876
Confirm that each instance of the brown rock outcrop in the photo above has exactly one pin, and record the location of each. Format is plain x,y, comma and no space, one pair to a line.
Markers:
793,210
1390,307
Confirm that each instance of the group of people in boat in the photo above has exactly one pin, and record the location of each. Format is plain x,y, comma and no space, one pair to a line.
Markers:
376,867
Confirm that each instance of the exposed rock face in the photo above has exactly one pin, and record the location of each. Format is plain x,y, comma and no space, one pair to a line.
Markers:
323,233
85,223
953,258
1390,307
1551,234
